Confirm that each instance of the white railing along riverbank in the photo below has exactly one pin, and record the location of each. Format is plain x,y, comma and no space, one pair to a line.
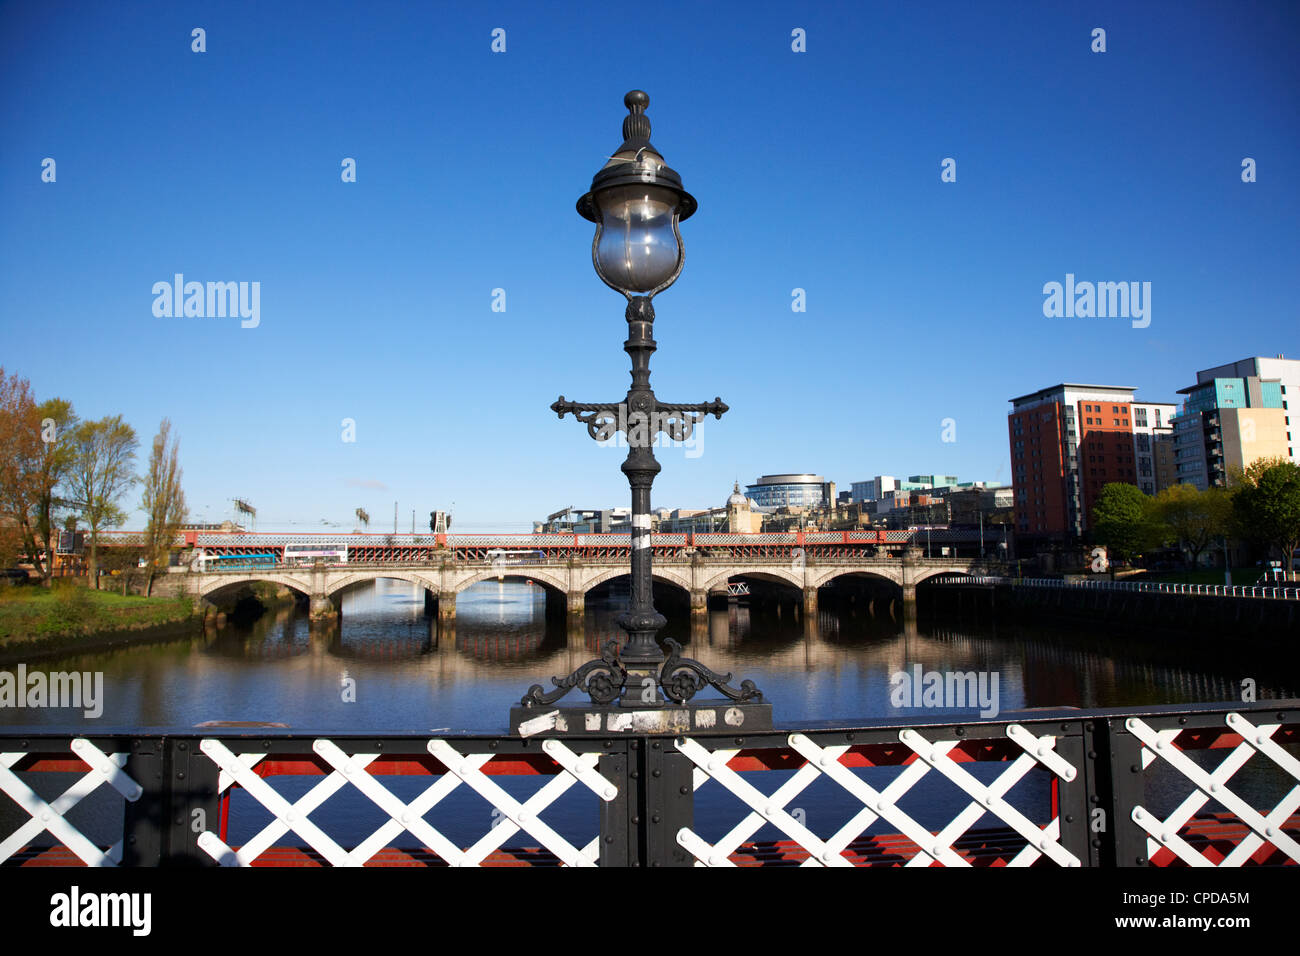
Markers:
1209,590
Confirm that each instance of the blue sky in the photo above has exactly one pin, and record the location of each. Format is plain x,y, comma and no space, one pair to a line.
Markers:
817,170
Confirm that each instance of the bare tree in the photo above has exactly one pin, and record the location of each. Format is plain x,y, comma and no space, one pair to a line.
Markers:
101,473
163,502
364,517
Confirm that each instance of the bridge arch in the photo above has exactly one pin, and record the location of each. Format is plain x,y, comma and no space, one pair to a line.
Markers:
538,574
210,584
338,585
779,575
927,575
662,575
829,575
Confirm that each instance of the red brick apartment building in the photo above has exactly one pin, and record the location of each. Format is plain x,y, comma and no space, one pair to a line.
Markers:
1070,440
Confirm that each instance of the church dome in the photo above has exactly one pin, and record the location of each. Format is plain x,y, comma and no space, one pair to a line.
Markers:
737,499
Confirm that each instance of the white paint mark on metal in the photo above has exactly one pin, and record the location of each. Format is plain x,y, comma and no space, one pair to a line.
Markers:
536,725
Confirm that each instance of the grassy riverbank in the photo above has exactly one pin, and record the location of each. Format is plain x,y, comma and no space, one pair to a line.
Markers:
35,617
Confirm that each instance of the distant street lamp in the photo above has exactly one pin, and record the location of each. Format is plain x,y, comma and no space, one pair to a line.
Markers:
637,202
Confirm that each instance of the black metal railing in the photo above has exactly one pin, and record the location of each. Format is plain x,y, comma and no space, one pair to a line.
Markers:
1214,784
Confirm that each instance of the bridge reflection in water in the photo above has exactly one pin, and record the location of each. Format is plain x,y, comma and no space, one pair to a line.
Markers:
413,670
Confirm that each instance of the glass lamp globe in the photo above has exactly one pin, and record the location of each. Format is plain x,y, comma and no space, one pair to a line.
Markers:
638,247
636,202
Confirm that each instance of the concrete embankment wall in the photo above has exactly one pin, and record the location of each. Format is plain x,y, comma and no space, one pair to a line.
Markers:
1212,616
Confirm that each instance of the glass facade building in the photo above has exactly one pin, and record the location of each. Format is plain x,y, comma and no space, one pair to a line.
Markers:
789,491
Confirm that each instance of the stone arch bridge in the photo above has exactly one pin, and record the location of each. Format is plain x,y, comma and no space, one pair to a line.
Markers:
697,575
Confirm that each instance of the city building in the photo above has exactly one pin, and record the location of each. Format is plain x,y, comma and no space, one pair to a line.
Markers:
1070,440
912,509
1152,439
861,491
1235,414
791,491
587,521
934,482
741,518
880,486
874,489
738,516
969,507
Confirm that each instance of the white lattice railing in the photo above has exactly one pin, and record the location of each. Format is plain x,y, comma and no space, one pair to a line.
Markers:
350,770
1171,833
101,770
825,761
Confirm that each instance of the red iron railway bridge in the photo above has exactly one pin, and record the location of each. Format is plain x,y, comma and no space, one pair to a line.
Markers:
418,548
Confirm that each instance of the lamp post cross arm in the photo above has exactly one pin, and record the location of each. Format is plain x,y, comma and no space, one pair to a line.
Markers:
639,424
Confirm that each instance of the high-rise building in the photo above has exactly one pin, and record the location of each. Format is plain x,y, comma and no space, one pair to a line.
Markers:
1152,445
1069,441
1235,414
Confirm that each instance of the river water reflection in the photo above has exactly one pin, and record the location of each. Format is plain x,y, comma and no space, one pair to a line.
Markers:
408,674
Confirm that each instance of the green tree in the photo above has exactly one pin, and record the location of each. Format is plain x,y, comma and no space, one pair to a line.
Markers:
1192,518
163,502
35,453
123,565
58,429
1121,519
11,543
101,472
1266,505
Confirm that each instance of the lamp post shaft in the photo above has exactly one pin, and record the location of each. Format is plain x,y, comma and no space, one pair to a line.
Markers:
641,621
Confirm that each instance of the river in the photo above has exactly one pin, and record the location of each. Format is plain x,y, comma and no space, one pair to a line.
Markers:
390,667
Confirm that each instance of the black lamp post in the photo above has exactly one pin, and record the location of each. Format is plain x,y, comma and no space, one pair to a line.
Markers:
636,202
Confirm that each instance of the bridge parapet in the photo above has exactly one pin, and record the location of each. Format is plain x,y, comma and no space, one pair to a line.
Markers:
1049,773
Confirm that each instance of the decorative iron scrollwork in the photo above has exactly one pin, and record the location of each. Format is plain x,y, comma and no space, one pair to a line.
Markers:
640,425
682,678
602,679
602,421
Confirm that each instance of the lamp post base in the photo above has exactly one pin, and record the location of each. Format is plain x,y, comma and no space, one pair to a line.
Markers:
674,719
